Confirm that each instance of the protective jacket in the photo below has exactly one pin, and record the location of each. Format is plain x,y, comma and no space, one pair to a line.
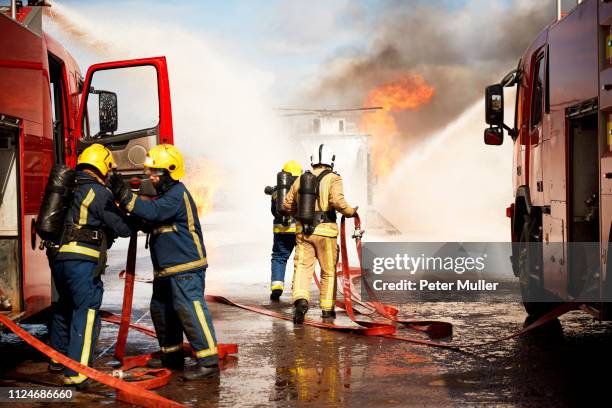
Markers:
331,197
176,240
93,211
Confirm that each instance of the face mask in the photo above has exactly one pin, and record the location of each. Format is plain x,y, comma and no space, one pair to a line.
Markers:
165,182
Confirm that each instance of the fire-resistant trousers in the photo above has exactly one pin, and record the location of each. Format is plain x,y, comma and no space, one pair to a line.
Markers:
178,306
325,250
76,319
281,251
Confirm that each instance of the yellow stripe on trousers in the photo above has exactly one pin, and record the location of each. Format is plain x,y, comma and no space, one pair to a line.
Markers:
298,276
91,317
212,349
86,351
327,302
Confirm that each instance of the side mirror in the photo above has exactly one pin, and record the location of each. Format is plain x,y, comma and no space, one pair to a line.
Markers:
494,136
494,105
108,112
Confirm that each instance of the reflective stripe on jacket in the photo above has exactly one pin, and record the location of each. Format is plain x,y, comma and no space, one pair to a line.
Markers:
93,207
176,242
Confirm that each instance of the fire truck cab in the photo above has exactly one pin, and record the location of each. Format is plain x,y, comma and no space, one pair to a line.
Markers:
48,114
562,173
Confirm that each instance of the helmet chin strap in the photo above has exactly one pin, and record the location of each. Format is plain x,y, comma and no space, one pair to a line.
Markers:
165,182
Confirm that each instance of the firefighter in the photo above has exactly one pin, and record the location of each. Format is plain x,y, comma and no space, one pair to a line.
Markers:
92,223
284,229
317,240
179,260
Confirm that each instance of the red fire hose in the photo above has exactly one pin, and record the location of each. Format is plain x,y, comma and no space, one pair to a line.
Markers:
434,329
134,392
158,377
131,393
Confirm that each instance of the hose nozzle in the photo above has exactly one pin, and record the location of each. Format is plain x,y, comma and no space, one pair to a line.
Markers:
122,375
358,233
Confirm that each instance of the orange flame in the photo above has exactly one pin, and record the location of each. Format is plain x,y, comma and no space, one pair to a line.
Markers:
408,92
202,180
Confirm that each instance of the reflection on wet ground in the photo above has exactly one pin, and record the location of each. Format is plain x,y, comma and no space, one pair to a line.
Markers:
280,365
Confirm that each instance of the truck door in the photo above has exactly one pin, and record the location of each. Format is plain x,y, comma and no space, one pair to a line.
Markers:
25,283
535,182
125,105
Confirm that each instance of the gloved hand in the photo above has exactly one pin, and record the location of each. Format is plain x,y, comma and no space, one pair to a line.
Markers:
118,187
354,212
139,224
110,237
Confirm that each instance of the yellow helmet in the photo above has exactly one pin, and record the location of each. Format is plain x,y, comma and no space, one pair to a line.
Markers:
168,157
99,157
293,167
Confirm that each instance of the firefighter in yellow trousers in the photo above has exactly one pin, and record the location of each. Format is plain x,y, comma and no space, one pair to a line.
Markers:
314,198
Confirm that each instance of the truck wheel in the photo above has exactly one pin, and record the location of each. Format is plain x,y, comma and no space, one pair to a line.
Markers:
530,267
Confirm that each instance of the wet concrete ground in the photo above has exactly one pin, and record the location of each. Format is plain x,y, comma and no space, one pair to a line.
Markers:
278,364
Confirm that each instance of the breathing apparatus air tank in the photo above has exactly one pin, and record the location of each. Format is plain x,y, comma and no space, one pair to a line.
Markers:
308,193
284,180
57,199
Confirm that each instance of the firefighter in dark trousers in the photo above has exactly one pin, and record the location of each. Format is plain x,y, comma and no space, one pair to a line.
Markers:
179,261
284,229
319,244
92,223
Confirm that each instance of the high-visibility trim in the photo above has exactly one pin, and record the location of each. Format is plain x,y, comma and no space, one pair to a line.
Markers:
130,205
324,193
206,353
277,285
75,379
172,349
298,293
326,306
327,302
181,267
85,207
285,229
212,348
191,225
91,317
75,248
164,228
326,229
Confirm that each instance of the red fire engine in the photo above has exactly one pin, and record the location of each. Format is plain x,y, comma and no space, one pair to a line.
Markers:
48,114
562,170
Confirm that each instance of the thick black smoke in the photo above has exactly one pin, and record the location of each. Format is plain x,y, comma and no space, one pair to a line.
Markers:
459,49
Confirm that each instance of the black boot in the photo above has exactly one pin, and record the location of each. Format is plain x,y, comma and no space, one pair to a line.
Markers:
276,294
173,361
55,367
200,372
87,385
301,307
328,314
